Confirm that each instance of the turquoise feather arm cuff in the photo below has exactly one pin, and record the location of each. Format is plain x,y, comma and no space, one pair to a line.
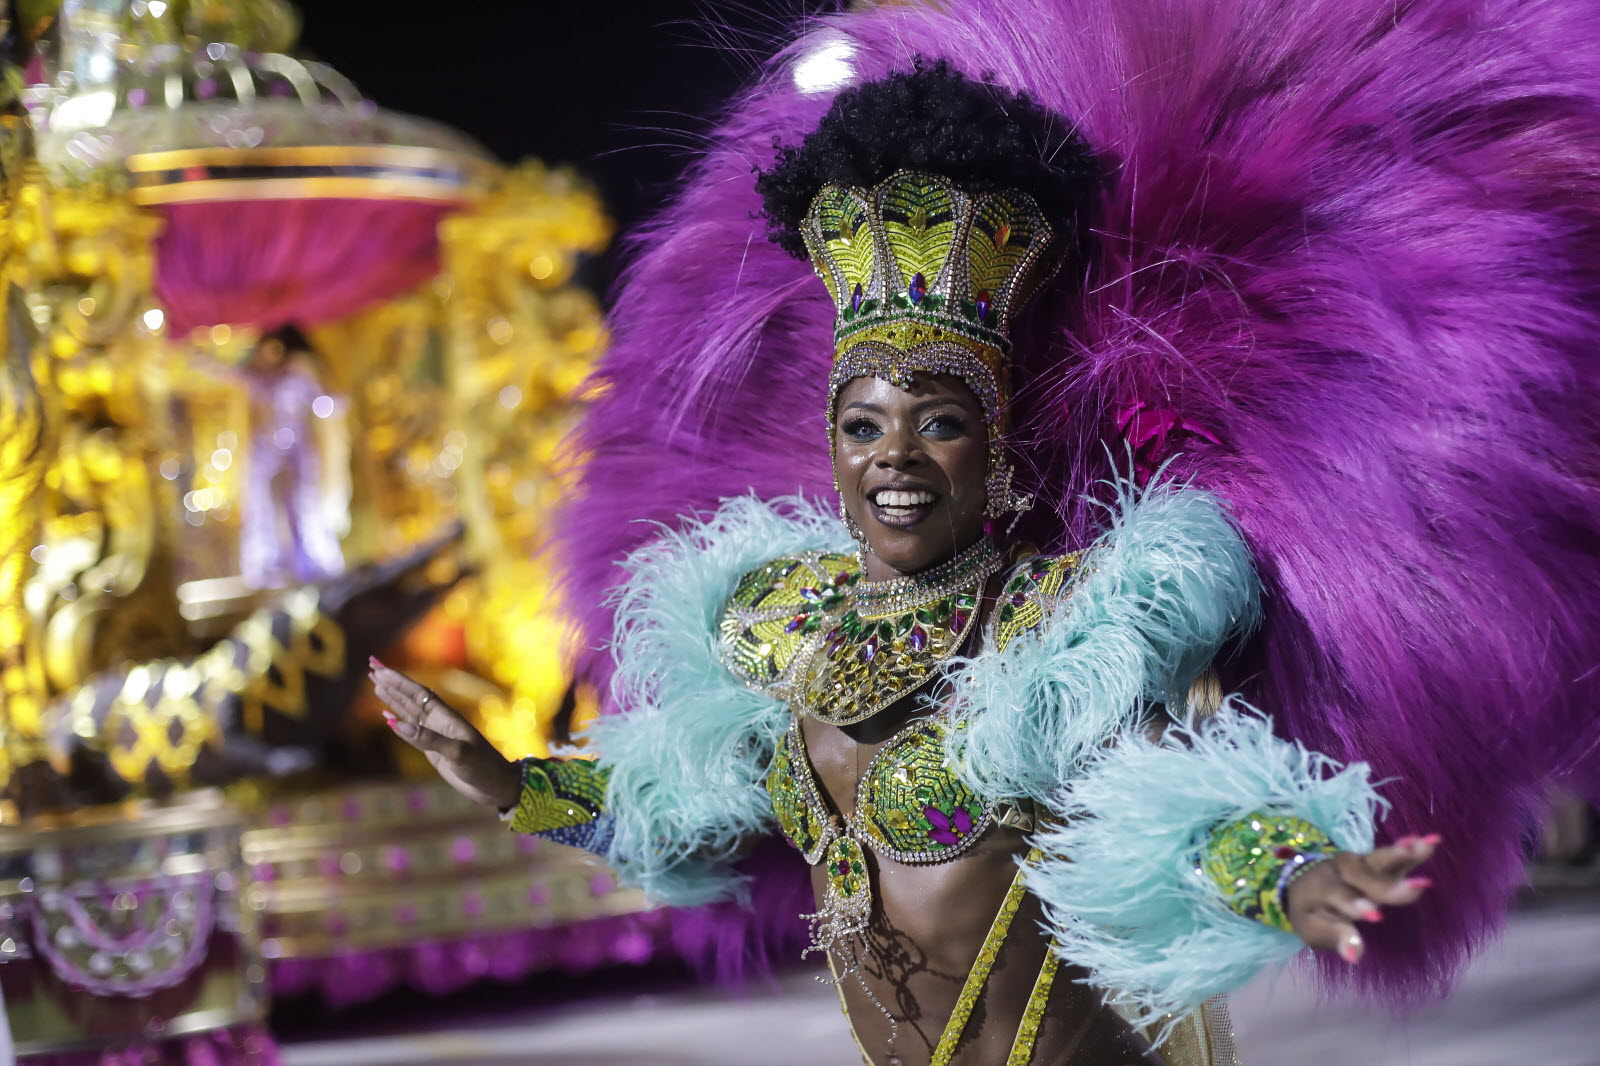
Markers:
564,800
1123,881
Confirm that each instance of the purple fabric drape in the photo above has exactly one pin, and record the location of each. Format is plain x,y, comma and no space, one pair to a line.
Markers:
264,263
240,1045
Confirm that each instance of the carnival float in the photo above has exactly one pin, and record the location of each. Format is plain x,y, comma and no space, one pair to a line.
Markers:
251,317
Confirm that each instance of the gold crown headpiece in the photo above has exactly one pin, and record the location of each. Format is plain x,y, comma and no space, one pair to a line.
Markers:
927,277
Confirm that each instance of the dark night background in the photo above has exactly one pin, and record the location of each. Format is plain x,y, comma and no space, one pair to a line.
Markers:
618,89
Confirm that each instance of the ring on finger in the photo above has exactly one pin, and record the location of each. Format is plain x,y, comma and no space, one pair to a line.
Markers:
425,699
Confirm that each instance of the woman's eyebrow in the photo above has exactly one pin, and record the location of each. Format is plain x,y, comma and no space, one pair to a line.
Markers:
862,405
939,401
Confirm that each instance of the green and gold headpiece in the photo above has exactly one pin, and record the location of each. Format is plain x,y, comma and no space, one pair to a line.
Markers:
927,277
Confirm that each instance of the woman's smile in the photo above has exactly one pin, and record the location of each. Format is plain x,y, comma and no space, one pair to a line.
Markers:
902,505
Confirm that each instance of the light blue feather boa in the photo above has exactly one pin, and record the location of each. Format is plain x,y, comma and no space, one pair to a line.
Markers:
1057,717
1121,890
689,758
1167,584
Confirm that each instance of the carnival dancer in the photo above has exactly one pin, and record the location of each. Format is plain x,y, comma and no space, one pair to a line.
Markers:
1326,309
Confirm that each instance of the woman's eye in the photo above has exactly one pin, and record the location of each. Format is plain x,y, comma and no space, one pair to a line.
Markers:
944,427
861,429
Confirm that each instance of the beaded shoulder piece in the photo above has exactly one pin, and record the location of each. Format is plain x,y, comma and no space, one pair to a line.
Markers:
775,615
1031,588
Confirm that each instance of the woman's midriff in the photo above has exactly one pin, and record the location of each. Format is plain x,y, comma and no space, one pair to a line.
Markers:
927,929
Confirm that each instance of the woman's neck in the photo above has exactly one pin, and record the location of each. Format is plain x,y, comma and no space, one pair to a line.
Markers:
875,569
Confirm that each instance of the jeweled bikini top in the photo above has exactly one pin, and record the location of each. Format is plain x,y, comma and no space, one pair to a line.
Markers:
910,805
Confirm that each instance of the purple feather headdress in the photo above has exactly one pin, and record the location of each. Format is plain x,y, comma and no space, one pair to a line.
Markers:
1347,272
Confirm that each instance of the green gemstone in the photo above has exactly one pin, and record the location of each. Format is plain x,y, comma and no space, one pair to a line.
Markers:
1007,613
925,616
904,624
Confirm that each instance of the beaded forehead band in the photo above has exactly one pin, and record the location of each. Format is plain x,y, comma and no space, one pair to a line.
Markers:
926,278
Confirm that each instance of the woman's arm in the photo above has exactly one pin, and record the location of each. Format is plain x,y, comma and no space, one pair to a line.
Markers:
1177,868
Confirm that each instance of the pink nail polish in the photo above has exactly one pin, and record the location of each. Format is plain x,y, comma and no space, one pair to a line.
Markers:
1374,915
1419,883
1406,842
1350,951
1432,839
392,723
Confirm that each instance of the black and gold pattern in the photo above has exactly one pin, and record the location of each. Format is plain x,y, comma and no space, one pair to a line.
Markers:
162,714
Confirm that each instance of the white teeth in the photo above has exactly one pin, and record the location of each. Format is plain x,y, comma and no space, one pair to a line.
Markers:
888,499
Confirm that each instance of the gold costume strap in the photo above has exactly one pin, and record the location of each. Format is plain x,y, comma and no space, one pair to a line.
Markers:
978,976
1033,1014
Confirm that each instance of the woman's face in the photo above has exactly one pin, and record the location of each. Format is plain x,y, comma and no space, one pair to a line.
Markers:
911,465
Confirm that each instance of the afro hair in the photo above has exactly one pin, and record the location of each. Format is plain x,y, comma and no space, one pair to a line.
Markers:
935,119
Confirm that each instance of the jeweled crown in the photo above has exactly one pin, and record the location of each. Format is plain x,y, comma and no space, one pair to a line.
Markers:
927,276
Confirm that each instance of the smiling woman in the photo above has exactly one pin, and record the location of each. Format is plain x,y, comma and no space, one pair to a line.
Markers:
910,466
1026,841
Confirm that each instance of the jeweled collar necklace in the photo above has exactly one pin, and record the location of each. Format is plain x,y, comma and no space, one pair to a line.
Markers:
888,638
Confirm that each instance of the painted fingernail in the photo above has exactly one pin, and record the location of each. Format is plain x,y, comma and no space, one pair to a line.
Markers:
1431,839
1419,883
1350,950
1406,842
1373,915
372,661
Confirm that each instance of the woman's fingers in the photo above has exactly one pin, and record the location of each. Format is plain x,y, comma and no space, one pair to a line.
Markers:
1328,902
1328,931
449,749
402,694
1346,903
1382,875
418,705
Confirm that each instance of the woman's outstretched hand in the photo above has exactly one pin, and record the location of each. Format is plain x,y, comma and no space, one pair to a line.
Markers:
1327,900
461,754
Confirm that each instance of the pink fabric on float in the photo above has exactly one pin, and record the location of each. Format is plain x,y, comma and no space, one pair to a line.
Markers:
239,1045
264,263
440,967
